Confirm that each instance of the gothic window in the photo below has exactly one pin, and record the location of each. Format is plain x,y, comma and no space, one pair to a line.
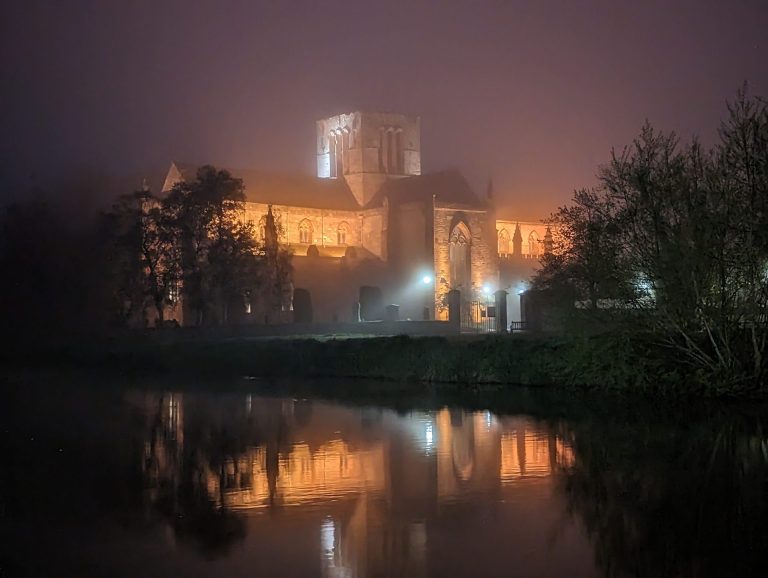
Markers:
333,155
345,148
460,258
503,242
534,245
305,232
263,229
341,233
399,152
381,150
339,154
390,152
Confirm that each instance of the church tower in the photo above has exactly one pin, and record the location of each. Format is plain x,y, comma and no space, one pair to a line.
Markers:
367,149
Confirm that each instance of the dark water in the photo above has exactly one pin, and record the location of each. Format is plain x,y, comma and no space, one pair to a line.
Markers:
101,479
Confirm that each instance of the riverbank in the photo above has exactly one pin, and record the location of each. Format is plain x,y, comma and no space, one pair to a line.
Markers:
607,362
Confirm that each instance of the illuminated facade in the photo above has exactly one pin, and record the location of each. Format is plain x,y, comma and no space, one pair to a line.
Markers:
370,217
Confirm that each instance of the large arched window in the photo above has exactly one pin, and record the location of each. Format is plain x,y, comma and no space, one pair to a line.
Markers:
459,255
534,245
341,233
305,232
504,242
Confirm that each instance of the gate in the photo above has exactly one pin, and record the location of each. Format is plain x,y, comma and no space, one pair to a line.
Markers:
478,316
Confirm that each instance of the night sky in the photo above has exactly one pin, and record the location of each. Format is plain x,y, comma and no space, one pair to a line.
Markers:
533,94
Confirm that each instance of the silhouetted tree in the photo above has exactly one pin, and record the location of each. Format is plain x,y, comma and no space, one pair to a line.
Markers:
144,255
676,238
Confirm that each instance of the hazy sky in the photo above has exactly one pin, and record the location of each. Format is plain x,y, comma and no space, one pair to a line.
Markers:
531,93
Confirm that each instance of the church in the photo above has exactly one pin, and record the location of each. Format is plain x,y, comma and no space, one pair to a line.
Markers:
372,218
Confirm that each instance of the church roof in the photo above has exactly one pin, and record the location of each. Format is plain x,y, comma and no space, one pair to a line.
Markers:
284,189
448,186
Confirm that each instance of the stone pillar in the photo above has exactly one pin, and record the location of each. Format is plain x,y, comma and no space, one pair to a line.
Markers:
454,308
501,311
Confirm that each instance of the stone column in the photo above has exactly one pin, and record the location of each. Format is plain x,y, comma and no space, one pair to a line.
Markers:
454,308
501,311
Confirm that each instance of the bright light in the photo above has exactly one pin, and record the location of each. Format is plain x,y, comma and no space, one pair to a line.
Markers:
429,438
426,279
487,289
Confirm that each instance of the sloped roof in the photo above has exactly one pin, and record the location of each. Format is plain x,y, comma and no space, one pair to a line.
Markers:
447,186
283,189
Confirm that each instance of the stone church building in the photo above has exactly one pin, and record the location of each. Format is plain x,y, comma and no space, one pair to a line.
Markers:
370,217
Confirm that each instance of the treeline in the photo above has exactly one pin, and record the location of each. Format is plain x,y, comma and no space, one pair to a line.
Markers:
194,249
672,248
141,261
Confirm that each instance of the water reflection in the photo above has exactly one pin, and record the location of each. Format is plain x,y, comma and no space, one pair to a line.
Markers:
103,481
375,484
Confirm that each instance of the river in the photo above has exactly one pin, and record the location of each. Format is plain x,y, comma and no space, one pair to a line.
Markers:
169,478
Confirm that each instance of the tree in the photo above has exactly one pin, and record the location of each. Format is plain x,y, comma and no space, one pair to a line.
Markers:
222,263
677,237
146,255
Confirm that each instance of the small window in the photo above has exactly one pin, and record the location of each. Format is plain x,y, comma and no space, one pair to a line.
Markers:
341,233
173,292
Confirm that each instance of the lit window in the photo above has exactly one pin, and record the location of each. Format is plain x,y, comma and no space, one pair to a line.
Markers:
503,242
263,229
341,233
173,292
534,244
305,232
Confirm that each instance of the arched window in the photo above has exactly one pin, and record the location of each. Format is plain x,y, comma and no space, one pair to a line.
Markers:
263,229
399,160
534,245
341,233
459,256
305,232
332,153
504,242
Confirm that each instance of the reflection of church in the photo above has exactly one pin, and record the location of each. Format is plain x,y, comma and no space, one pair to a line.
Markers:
376,490
372,218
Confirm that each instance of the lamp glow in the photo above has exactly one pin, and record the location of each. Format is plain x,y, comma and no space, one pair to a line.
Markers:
426,279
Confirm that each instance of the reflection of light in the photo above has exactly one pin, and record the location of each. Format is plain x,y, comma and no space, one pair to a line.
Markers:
488,419
327,537
428,436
